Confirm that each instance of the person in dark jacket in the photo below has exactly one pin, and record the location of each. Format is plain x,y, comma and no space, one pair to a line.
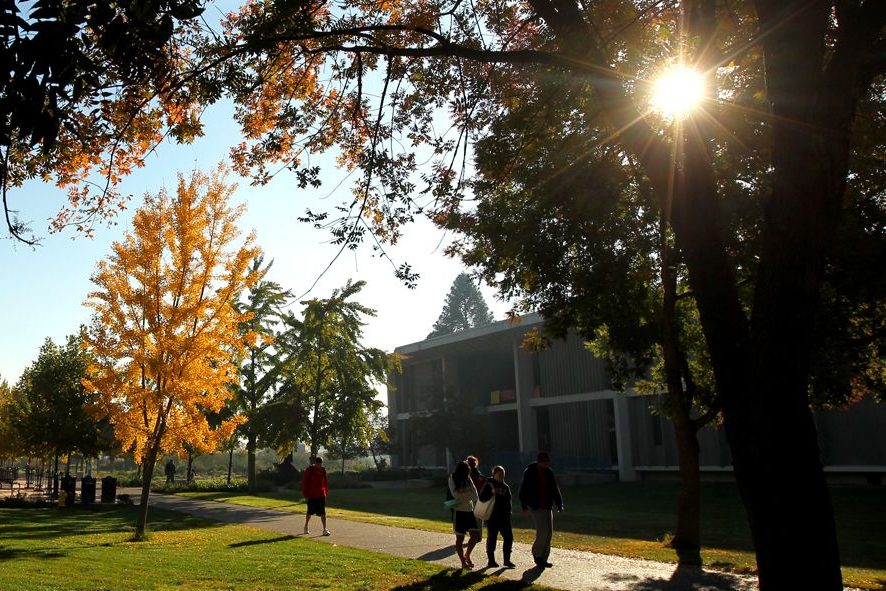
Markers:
170,472
500,520
539,494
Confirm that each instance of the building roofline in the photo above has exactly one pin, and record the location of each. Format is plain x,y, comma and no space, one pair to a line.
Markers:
524,321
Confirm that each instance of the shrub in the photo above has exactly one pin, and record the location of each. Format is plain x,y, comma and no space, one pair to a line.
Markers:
219,484
22,502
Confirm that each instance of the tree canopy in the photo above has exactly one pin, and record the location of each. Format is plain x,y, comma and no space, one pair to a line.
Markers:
86,95
464,308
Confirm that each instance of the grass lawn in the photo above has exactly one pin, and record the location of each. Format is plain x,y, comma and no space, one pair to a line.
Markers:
625,519
91,549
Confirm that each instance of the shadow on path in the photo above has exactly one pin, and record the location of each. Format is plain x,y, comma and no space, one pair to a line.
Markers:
530,575
455,580
439,554
683,578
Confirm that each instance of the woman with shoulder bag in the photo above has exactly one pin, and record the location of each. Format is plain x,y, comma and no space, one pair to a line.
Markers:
463,521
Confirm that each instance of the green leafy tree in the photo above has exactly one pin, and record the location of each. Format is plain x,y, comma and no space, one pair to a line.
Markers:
260,368
330,376
10,447
560,224
50,415
464,308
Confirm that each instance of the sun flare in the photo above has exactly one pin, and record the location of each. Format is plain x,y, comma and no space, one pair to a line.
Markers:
677,92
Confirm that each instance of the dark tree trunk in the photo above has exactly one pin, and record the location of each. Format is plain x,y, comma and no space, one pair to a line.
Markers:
147,474
55,477
678,403
250,460
230,464
189,473
761,380
687,538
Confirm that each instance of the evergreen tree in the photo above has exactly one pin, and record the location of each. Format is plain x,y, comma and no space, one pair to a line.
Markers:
464,308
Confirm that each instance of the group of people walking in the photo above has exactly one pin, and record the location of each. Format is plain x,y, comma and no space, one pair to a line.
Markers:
472,494
475,499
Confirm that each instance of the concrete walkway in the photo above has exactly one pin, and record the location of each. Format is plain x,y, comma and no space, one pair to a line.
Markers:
572,569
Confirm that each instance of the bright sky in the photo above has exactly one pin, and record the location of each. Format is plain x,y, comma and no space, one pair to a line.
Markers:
44,288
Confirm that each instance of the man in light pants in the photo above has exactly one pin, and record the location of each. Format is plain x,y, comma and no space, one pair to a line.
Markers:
539,494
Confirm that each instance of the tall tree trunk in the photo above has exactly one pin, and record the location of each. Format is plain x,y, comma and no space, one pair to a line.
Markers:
147,474
250,459
188,475
55,477
687,538
230,464
761,381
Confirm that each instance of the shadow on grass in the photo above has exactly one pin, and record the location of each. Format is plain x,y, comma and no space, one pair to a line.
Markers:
16,553
682,578
50,523
257,542
453,580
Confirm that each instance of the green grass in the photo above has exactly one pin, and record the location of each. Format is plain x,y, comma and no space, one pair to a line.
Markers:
624,519
92,549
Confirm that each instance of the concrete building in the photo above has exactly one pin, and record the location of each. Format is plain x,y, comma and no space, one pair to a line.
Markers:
561,400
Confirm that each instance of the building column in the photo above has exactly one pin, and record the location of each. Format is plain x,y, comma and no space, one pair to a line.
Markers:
623,446
518,395
526,427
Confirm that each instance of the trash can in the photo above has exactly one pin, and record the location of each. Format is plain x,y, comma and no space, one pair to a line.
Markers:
109,489
87,490
69,485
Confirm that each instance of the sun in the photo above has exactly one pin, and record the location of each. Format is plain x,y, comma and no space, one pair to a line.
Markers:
677,92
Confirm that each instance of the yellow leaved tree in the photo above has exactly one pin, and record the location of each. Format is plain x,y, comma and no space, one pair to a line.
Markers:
164,332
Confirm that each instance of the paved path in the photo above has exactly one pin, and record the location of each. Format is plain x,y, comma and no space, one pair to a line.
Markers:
572,569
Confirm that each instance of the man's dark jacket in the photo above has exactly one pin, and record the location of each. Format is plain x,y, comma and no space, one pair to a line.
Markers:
529,497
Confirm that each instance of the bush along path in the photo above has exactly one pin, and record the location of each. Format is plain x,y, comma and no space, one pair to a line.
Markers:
572,569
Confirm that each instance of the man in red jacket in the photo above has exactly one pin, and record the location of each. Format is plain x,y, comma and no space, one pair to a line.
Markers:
315,487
